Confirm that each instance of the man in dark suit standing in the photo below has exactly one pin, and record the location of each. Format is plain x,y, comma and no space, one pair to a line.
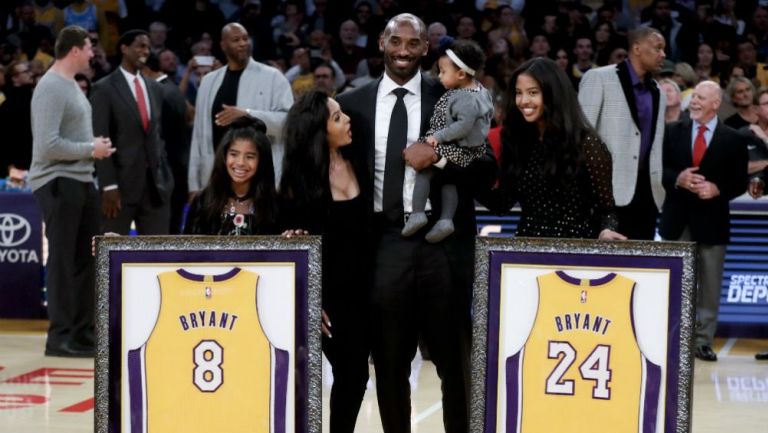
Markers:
705,166
420,289
136,184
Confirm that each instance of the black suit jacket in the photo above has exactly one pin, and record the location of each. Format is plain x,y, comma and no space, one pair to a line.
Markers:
360,105
116,115
724,164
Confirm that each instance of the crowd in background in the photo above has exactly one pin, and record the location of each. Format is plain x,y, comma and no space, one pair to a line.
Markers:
333,45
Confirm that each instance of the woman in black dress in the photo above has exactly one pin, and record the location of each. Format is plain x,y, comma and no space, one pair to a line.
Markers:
240,197
553,162
320,194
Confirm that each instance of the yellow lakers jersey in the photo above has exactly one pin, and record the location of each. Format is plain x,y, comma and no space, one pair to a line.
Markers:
581,369
207,362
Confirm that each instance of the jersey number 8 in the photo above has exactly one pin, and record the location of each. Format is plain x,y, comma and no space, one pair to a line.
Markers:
208,357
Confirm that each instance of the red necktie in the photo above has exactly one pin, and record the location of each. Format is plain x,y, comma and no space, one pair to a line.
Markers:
699,146
142,103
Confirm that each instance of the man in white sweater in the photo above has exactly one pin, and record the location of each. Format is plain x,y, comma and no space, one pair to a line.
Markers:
243,87
61,177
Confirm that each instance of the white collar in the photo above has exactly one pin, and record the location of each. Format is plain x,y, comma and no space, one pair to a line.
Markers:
388,85
129,76
711,125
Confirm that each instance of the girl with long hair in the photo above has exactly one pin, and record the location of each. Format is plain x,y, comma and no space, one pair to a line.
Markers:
321,194
240,197
553,162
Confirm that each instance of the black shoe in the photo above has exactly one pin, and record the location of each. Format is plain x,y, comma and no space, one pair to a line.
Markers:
705,353
762,356
70,350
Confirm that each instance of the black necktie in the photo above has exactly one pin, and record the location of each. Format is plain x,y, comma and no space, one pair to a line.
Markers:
394,168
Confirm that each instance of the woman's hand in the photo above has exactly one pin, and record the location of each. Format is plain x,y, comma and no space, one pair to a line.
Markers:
610,235
297,232
326,325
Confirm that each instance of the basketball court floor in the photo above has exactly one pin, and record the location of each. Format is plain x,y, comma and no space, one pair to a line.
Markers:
41,394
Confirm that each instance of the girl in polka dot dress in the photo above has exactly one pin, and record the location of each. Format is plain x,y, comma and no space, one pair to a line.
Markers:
553,163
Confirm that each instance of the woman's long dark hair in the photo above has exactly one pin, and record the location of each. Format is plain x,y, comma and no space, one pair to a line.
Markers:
304,180
218,192
565,124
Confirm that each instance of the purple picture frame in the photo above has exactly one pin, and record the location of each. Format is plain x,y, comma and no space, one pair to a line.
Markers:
678,258
302,252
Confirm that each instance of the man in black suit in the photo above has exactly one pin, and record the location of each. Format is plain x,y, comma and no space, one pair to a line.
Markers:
420,289
705,166
136,182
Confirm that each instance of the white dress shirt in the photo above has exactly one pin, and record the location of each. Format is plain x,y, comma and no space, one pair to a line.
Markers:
385,102
130,77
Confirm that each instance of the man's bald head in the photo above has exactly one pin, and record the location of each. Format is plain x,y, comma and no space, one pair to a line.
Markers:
227,30
705,101
712,86
236,45
404,43
406,19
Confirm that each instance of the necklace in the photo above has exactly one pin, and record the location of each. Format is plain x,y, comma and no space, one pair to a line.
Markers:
237,205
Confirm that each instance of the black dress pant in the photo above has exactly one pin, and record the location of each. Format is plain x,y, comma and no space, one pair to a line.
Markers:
414,295
70,210
637,220
347,351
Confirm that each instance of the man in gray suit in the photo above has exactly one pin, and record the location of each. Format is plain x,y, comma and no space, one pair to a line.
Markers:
624,104
136,183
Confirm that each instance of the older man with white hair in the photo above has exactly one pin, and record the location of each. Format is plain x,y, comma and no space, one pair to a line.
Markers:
705,166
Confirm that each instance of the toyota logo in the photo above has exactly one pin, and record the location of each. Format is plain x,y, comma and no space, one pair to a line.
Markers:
14,230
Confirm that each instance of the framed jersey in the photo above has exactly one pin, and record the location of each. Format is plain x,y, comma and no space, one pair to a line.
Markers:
202,333
576,336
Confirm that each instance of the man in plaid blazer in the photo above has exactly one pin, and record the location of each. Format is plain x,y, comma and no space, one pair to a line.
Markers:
625,106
